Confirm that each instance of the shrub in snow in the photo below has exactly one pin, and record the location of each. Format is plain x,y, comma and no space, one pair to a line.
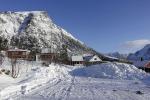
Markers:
7,72
3,70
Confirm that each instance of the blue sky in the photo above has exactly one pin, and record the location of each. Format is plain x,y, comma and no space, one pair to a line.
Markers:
105,25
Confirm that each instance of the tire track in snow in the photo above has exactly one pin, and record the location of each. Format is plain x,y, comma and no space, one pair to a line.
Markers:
58,91
63,92
68,90
34,91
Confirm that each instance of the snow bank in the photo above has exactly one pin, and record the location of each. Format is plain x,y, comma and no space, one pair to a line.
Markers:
115,71
38,76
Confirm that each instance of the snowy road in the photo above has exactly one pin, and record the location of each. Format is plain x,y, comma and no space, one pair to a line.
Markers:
79,88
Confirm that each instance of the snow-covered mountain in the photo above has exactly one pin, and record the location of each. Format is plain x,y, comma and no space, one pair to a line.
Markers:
34,30
118,55
143,53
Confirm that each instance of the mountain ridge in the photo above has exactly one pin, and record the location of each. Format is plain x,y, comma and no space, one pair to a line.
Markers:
144,53
35,29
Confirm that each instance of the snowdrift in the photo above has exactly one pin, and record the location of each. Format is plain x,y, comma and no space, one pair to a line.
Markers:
35,77
111,71
40,75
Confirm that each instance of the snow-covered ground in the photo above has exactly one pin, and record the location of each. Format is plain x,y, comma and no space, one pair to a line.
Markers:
108,81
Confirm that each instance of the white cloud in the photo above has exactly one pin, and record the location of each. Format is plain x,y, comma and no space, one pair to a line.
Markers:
133,46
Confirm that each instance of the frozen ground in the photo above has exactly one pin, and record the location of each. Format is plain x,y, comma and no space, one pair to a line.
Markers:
110,81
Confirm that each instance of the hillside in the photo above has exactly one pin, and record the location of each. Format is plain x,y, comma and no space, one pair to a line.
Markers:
143,53
34,30
118,55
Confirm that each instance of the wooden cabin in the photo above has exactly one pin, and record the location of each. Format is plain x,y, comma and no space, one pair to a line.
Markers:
147,65
47,55
17,53
77,60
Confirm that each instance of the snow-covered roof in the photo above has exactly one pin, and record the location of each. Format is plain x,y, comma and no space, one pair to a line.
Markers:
87,58
48,50
111,57
18,50
87,54
92,58
45,50
95,58
77,58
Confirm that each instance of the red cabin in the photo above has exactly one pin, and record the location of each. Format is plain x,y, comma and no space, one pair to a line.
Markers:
17,53
147,65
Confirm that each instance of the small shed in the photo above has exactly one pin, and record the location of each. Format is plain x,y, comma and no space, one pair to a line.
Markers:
47,54
147,65
17,53
77,60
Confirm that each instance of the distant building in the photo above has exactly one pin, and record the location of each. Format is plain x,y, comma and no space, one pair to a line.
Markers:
17,53
94,58
109,58
47,54
77,60
85,59
147,65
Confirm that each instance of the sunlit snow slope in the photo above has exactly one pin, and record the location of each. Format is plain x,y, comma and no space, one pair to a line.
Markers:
35,29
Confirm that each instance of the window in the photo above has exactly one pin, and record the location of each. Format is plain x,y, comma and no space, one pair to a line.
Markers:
95,58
